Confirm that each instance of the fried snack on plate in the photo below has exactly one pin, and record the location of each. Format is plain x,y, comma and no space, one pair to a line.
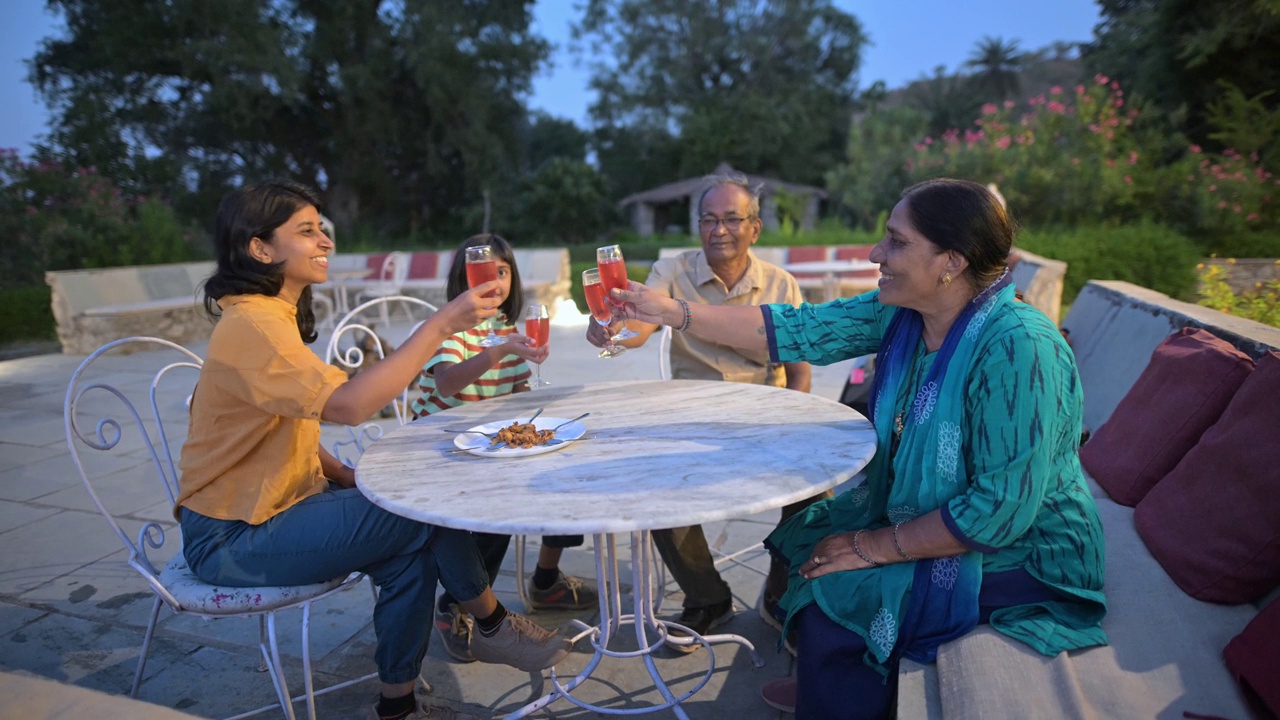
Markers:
523,435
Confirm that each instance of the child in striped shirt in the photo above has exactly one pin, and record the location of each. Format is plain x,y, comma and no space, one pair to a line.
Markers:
464,371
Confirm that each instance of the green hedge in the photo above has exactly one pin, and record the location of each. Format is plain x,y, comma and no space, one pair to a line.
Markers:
25,314
1145,253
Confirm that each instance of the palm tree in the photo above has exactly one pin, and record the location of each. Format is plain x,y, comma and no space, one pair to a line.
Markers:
998,63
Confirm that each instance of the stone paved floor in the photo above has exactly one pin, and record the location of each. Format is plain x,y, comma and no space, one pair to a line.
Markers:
71,610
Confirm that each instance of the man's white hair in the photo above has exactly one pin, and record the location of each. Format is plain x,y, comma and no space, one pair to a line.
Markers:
737,179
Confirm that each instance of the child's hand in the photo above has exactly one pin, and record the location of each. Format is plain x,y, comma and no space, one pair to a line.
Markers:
470,308
521,345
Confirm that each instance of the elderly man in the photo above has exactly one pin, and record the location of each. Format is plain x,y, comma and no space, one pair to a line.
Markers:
723,272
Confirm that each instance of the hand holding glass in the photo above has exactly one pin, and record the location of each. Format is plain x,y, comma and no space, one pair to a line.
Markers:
537,325
613,274
482,266
599,306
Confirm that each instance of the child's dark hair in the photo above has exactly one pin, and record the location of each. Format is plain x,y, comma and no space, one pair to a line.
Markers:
256,211
513,306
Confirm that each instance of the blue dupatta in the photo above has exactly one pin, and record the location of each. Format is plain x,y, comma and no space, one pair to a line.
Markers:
926,471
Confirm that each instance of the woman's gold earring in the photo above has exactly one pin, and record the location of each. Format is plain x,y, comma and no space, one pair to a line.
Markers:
946,279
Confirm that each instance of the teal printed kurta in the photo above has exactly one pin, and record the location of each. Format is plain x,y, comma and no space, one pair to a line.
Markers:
1007,473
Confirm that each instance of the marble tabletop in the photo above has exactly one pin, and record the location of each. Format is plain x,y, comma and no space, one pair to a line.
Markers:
656,455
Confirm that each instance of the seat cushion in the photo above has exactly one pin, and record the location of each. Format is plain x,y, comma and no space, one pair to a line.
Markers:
1214,522
1163,658
195,595
1253,657
1187,384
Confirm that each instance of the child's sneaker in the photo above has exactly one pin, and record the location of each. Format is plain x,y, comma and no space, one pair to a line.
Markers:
455,629
566,593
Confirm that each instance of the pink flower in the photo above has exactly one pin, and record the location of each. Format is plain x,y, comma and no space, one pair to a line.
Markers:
928,141
1003,142
1079,89
1195,149
989,109
1133,158
1111,163
1101,79
1212,188
1128,180
1222,204
1115,85
1119,102
1236,208
1057,107
921,147
1252,217
1055,90
1093,128
1008,104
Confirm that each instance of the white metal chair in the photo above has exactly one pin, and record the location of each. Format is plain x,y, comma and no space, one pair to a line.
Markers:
121,411
351,345
388,283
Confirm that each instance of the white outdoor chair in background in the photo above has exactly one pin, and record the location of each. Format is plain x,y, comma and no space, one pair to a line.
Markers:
389,281
353,343
103,420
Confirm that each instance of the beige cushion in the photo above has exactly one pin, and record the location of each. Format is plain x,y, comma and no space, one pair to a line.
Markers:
1165,656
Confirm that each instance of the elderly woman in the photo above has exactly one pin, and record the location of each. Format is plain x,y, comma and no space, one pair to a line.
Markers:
974,509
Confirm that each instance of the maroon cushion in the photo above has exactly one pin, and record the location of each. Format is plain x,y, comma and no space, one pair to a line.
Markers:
423,265
1214,522
807,253
1253,657
1184,389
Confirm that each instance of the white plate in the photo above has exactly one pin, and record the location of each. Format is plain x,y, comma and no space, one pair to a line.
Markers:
476,444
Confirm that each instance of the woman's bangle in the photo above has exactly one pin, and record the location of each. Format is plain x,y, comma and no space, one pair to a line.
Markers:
857,549
688,315
901,553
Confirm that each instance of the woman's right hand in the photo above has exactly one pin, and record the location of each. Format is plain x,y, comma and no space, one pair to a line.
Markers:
640,302
469,309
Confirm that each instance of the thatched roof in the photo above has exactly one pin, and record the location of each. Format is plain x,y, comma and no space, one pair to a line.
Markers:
682,189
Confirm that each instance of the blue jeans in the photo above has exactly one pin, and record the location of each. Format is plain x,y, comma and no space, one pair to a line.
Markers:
332,534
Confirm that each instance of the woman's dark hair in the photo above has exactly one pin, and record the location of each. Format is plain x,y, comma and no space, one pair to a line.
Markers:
967,218
256,211
514,304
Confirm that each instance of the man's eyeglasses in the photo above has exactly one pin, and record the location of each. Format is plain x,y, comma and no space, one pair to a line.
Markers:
732,224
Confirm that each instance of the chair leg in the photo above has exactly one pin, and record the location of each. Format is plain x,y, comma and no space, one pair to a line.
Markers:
262,642
520,580
146,646
277,669
306,662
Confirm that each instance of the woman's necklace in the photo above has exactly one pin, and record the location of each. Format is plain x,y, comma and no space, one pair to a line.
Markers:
908,388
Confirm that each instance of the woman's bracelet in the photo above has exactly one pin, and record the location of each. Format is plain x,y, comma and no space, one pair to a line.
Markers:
857,549
901,553
688,315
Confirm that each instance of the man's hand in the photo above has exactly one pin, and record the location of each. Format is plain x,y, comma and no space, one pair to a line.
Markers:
597,334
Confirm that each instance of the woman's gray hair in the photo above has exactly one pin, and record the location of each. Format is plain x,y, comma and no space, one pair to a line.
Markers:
711,182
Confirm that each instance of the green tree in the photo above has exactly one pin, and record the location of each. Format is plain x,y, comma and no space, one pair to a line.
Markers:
871,180
766,86
402,112
564,202
1174,53
997,64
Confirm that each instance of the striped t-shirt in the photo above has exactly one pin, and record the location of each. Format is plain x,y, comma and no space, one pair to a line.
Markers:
501,379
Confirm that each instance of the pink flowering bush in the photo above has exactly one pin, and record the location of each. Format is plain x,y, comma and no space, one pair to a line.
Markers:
55,217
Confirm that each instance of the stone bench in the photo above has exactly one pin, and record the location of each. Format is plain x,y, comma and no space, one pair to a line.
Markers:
94,307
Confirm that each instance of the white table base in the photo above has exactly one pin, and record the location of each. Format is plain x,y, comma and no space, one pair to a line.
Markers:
643,620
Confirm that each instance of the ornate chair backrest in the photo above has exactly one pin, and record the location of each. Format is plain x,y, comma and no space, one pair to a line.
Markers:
353,344
109,412
394,271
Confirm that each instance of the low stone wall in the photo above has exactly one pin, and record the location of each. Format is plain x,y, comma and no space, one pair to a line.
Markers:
1243,274
1115,326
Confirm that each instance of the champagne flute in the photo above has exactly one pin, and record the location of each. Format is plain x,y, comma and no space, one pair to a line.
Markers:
537,326
613,274
482,266
594,290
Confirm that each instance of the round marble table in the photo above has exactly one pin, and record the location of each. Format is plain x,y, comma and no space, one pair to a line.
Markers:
655,455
